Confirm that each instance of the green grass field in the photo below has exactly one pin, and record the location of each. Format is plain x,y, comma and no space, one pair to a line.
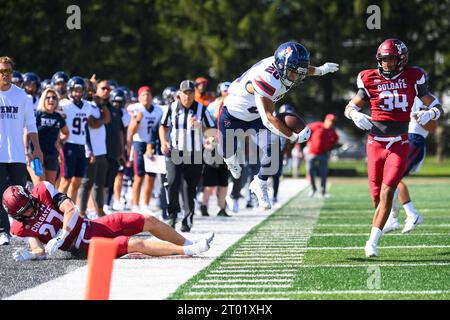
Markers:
314,249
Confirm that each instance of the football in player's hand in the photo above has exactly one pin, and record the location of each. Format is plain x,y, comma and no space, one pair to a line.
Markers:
430,126
292,121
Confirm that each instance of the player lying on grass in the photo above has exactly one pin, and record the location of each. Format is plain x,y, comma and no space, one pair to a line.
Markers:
51,221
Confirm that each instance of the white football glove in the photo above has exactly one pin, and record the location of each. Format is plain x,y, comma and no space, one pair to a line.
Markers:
422,117
23,255
327,68
53,245
361,120
302,136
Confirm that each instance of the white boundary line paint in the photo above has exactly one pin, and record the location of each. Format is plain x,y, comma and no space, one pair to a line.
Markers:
157,278
316,292
332,225
431,264
287,241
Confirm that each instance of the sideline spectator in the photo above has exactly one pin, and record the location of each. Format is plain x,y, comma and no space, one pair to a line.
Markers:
201,95
323,138
15,116
50,124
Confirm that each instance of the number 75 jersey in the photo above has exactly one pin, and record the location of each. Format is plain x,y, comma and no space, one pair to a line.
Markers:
391,99
265,80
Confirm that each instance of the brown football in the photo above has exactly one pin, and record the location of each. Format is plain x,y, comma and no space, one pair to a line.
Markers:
292,121
430,126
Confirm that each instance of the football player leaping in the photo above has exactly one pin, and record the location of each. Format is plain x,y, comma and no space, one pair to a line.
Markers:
250,105
390,89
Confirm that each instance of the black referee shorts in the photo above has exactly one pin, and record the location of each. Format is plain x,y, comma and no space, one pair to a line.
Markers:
215,176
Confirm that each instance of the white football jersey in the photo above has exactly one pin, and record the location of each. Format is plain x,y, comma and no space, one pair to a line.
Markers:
265,80
97,136
147,123
414,127
76,119
16,113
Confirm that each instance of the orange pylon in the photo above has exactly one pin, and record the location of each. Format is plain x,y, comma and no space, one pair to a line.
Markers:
102,252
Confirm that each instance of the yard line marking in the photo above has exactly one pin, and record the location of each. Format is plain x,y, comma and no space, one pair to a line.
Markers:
385,247
243,280
249,275
240,286
282,293
434,264
439,225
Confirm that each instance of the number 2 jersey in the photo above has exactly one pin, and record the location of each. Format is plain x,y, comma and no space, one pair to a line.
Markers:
48,220
265,80
391,100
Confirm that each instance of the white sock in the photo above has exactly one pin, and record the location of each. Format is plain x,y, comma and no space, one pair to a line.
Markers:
375,234
188,250
410,210
188,242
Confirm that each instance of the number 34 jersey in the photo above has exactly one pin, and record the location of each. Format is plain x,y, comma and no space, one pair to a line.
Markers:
265,80
391,99
76,119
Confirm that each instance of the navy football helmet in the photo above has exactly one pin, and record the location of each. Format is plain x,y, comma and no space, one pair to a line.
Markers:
169,94
76,82
47,83
291,56
60,76
32,77
113,84
158,100
286,108
118,95
17,78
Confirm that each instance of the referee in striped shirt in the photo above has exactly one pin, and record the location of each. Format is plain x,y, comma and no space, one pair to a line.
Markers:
183,147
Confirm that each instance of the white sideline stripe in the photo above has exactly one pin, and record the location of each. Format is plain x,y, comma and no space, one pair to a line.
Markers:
244,280
240,286
268,264
431,264
439,225
283,293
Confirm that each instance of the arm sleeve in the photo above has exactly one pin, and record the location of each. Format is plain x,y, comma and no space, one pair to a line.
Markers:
422,87
30,118
363,94
166,118
207,119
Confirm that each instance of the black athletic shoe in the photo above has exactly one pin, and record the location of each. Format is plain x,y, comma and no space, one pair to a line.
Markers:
223,213
172,220
187,222
204,210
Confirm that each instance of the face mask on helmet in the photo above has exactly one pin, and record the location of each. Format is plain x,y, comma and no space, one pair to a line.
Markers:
17,201
291,62
392,48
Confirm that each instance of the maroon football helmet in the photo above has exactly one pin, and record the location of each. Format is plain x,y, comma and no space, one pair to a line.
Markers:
396,48
16,201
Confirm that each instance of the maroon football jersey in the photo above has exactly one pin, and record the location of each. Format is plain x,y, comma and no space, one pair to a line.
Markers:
391,99
48,220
